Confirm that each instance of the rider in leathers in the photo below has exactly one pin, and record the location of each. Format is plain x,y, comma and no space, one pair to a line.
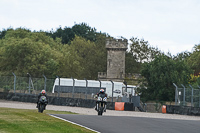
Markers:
101,92
42,93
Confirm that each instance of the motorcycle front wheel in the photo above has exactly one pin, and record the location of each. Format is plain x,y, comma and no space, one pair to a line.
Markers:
41,108
100,111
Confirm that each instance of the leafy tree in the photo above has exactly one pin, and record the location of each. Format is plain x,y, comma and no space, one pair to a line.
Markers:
3,32
85,56
84,59
19,33
132,66
182,56
69,65
194,59
139,53
160,74
25,52
68,34
141,50
65,34
194,80
101,53
85,31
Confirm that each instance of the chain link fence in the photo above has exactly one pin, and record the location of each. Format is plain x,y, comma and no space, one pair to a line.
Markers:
187,95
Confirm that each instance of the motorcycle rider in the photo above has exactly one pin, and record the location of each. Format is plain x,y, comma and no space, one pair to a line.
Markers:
103,94
42,93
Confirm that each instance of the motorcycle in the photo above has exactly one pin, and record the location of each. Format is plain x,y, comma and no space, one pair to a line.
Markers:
42,104
101,104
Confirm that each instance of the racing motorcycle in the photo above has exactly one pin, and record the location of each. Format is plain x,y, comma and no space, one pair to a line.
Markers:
42,104
101,104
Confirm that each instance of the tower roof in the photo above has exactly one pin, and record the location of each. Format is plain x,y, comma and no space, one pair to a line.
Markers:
116,43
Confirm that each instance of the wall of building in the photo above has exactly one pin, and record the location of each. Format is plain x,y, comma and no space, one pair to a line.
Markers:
116,49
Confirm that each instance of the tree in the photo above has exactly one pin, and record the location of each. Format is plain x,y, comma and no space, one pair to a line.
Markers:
160,74
25,52
3,32
65,34
132,66
101,53
68,34
194,59
85,55
182,56
85,31
139,53
141,50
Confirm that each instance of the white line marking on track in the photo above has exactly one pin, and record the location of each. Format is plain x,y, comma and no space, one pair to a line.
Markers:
75,123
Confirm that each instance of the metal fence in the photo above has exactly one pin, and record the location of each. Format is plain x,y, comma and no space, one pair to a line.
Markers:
27,85
187,95
32,85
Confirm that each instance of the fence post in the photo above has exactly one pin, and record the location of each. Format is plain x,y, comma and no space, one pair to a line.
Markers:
176,93
58,86
86,88
125,85
29,83
100,84
183,94
14,82
32,85
45,80
112,89
73,87
199,95
192,96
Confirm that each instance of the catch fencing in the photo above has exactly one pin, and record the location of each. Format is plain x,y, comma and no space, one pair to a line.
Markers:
26,85
31,85
187,95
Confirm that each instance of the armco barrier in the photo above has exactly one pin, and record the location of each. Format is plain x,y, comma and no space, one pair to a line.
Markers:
3,95
172,109
182,110
63,101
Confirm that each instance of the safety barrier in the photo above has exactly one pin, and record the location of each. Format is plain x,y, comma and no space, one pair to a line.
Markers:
124,106
164,109
64,101
182,110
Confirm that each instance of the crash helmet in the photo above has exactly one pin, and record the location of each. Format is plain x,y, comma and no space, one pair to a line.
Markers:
43,92
101,91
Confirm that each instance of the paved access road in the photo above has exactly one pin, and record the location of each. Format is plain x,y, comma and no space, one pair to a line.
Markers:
127,124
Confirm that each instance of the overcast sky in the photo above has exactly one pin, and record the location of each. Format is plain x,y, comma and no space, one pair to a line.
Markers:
170,25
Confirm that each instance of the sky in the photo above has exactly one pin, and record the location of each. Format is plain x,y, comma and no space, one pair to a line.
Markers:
169,25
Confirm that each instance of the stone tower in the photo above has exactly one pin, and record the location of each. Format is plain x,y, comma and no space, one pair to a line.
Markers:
116,49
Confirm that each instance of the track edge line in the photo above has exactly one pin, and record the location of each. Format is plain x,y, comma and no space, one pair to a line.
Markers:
74,123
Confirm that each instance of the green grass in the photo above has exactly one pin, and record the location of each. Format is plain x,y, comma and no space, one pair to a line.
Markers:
30,121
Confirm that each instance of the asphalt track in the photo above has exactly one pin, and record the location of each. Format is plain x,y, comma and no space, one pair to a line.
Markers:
121,121
127,124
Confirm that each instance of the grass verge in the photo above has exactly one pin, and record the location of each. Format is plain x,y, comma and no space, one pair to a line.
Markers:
30,121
